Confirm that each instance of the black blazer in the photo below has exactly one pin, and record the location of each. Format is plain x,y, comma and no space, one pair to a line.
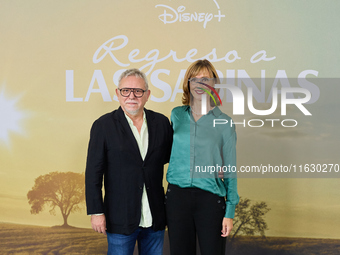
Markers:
113,153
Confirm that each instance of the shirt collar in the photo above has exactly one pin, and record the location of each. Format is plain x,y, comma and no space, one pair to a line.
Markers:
130,120
216,111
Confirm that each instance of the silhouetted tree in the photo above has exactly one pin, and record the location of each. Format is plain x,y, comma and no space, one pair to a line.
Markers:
249,219
65,190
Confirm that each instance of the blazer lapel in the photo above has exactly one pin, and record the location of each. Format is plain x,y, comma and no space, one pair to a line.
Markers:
151,130
127,133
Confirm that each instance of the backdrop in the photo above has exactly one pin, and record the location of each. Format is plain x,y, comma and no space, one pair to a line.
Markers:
59,66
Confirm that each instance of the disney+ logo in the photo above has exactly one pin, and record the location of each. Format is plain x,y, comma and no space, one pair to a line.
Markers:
171,15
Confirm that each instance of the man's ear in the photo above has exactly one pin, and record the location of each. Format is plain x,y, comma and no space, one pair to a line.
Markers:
148,94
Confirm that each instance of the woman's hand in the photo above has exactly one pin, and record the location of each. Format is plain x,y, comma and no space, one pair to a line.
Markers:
227,226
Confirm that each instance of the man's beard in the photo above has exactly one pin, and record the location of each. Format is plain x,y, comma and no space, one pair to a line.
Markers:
132,112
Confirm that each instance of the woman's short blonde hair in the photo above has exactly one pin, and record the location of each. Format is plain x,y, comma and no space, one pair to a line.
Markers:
193,70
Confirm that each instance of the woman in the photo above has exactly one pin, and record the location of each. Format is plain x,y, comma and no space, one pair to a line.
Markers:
195,199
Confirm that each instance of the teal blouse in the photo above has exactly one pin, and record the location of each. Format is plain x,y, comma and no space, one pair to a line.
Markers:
199,149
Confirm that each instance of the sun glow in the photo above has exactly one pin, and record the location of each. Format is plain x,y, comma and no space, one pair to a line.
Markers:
10,118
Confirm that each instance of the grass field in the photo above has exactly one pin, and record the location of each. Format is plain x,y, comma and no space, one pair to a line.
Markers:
285,246
25,239
22,239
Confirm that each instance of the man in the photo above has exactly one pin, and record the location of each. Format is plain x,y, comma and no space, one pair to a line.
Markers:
129,147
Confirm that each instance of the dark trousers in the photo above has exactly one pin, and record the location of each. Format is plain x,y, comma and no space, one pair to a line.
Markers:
191,212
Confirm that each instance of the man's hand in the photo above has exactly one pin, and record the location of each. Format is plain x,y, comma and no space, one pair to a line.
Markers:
227,226
98,223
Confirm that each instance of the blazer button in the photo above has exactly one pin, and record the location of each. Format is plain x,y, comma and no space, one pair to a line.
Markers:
147,187
140,187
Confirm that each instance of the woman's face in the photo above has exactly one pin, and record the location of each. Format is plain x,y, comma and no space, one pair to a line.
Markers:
195,85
